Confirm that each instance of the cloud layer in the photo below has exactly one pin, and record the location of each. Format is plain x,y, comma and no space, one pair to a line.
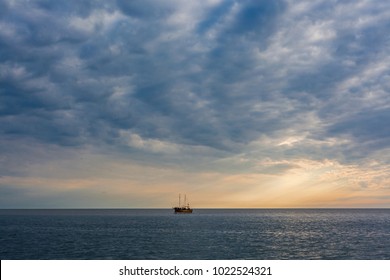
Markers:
228,87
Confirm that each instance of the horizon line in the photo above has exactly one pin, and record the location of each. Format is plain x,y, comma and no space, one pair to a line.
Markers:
199,208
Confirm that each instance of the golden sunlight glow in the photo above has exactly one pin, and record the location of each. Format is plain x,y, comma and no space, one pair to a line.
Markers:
105,183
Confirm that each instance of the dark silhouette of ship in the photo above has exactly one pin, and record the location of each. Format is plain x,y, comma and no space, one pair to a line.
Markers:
183,209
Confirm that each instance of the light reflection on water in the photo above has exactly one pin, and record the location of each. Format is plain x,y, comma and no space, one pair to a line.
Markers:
205,234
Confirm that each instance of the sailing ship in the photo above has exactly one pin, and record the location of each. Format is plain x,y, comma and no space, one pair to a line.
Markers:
183,209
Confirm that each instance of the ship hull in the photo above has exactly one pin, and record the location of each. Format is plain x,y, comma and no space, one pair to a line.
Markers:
182,211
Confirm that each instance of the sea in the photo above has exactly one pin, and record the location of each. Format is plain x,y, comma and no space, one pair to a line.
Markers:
206,234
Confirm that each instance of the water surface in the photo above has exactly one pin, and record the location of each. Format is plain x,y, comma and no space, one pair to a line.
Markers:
206,234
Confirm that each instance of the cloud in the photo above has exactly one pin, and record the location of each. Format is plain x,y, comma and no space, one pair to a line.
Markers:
228,86
255,66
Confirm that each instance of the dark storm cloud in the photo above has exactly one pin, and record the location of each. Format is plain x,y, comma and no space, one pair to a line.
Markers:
218,75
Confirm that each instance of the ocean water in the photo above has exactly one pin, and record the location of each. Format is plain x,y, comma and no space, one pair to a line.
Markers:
303,234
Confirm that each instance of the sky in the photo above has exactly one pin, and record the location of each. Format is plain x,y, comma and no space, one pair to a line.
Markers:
250,103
